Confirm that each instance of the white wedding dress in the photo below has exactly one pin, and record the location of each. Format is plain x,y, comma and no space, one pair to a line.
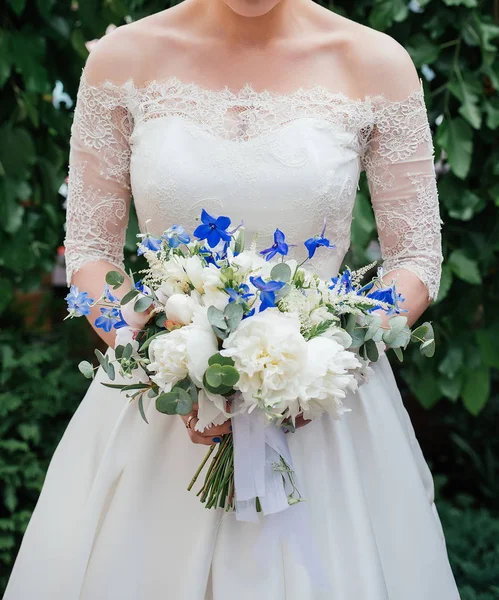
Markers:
114,520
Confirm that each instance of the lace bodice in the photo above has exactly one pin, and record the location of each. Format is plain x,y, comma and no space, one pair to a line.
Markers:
269,159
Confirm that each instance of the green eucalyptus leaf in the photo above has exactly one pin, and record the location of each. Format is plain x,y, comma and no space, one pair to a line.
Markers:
372,352
233,315
281,272
87,369
176,402
230,375
142,304
218,359
110,371
115,279
284,291
427,348
373,328
216,318
399,354
127,351
118,351
129,296
214,376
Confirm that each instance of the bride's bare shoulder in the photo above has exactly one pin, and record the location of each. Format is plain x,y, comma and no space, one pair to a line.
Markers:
131,51
376,63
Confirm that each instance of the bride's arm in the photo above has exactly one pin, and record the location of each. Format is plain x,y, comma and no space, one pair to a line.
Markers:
398,160
99,194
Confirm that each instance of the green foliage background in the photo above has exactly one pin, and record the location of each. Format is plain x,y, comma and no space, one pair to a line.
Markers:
43,42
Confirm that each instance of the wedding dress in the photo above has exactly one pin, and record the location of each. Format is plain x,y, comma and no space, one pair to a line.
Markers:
114,520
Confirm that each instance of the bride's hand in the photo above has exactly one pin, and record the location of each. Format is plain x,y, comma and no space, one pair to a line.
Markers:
211,435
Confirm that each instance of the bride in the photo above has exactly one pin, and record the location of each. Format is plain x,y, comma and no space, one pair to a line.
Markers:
265,110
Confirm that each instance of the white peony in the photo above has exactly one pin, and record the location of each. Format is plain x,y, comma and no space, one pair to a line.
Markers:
270,355
179,308
329,375
181,352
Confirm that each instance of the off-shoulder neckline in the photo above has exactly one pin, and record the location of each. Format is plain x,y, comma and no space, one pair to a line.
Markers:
317,92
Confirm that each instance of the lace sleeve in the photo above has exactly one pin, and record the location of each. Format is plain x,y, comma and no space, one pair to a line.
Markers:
398,160
98,185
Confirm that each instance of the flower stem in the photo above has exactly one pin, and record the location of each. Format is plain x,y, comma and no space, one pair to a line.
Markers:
201,466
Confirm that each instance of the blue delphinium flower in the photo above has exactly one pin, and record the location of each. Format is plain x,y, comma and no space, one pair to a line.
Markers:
278,247
239,295
212,230
78,302
148,242
319,240
175,236
140,287
121,323
343,284
267,291
109,316
108,295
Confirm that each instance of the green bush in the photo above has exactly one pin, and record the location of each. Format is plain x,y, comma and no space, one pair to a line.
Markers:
472,537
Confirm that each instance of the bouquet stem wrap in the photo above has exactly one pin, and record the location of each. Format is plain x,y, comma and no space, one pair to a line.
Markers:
261,453
259,448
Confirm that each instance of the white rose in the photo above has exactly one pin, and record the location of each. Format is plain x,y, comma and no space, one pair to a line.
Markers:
329,375
179,308
270,354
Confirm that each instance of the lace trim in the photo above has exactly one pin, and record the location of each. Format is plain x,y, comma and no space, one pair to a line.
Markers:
96,223
240,115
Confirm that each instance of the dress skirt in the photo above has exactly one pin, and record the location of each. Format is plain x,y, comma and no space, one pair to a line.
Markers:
114,520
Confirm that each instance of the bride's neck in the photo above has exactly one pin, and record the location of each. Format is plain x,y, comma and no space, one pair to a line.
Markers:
251,22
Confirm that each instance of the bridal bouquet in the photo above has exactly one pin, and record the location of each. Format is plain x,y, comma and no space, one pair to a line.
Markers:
247,335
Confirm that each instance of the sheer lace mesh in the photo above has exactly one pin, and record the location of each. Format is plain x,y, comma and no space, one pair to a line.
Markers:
391,139
398,159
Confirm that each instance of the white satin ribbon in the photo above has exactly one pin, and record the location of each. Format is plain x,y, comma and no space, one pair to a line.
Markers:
258,446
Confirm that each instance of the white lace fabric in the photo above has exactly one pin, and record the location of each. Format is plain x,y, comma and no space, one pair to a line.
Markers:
270,159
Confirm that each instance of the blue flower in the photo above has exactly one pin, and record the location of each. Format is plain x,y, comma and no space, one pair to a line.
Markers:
343,284
108,295
121,323
140,287
319,240
386,295
212,230
239,295
78,302
148,243
267,291
109,316
175,236
278,247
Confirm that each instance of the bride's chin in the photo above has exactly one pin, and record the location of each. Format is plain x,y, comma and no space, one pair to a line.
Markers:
251,8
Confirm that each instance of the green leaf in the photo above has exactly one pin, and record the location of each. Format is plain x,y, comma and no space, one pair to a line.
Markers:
281,272
399,354
87,369
239,241
17,152
476,389
110,371
492,111
142,304
141,408
176,402
218,359
422,50
118,351
465,268
372,330
284,291
233,315
18,6
467,3
103,360
445,284
427,348
129,296
371,350
128,351
456,138
216,318
230,375
385,12
147,343
115,279
419,333
214,376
